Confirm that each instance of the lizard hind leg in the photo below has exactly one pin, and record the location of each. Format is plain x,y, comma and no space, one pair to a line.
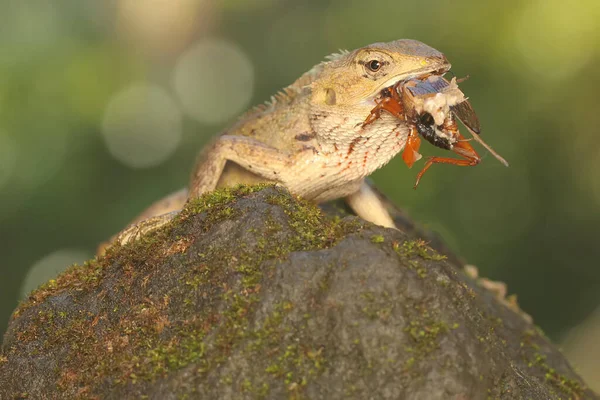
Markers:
135,231
153,217
251,154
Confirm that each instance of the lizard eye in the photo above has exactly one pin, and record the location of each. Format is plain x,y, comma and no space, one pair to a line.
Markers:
374,65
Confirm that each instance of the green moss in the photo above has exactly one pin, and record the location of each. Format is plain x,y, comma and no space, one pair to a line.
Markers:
419,247
425,334
573,388
377,305
410,249
80,277
425,328
312,228
218,200
294,364
377,239
167,356
260,391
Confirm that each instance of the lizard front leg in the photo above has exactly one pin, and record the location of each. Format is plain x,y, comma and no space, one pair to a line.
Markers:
367,205
250,154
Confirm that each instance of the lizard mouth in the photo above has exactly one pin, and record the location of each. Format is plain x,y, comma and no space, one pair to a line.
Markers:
404,76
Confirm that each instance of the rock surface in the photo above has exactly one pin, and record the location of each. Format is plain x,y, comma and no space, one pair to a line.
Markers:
254,294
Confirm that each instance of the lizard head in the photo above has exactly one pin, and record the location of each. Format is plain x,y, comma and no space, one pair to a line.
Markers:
354,79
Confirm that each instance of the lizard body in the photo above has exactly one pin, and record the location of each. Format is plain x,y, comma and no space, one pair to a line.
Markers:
310,137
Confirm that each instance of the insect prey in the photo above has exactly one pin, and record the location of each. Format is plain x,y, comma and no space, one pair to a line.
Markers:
430,105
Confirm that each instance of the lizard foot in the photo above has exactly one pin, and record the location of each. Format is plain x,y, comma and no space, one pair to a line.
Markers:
135,231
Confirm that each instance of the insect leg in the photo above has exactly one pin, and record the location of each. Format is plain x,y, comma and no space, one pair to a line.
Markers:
411,150
462,148
390,102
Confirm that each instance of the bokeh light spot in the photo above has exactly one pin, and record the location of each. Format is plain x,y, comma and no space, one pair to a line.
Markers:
142,126
163,25
50,266
214,81
554,40
582,348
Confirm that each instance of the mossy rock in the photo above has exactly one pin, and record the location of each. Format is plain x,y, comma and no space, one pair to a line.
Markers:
252,293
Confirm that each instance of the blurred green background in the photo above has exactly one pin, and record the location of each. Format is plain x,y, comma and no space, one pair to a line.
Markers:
104,105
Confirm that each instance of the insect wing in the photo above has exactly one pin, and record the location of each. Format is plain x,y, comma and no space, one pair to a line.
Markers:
437,83
465,113
428,86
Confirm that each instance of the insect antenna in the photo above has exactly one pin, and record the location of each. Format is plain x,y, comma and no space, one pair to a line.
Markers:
488,148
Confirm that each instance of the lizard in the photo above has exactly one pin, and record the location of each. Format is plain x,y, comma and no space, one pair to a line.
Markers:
311,137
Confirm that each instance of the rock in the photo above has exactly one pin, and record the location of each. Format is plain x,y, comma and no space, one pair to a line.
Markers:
252,293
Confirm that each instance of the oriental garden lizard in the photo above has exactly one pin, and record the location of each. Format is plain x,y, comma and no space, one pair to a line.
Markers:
311,137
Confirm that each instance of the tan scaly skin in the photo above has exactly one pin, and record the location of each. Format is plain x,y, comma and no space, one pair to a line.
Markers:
310,137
